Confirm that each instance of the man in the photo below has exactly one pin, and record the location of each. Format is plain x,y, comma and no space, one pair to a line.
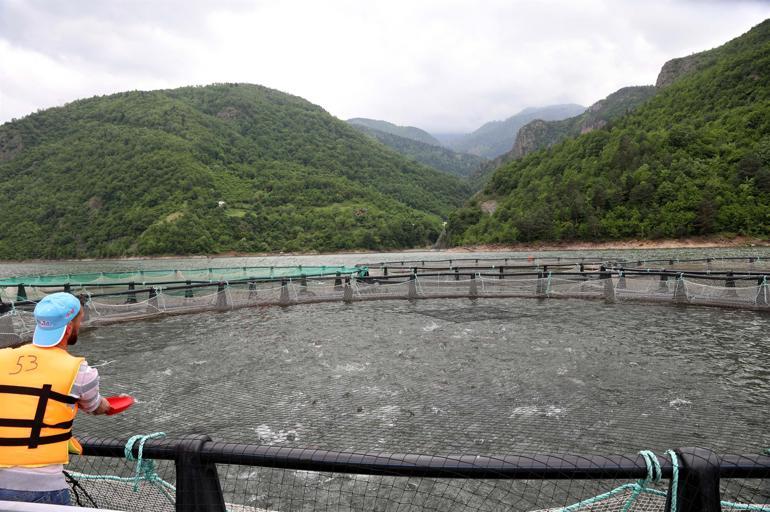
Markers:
42,387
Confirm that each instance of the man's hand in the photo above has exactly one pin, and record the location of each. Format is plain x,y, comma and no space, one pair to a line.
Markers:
103,408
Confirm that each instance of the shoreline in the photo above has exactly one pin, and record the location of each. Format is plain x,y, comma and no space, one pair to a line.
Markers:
622,245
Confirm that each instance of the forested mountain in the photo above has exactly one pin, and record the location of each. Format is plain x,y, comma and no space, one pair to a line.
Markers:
692,160
205,170
497,137
408,132
540,134
441,158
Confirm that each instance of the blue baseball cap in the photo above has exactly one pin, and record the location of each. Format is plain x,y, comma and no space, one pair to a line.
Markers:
52,314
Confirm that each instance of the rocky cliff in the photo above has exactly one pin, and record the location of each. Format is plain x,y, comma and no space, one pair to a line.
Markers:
677,68
541,134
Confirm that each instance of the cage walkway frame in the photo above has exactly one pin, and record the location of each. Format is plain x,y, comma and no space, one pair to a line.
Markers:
697,471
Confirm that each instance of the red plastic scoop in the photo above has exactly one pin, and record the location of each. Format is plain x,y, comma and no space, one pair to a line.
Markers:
119,403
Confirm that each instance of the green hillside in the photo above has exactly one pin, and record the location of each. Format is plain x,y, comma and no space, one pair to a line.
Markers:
408,132
693,160
496,138
443,159
145,172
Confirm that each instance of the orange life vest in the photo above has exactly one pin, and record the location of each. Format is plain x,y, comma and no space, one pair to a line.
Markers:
36,411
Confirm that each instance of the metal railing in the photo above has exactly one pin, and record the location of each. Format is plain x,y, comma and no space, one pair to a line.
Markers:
198,488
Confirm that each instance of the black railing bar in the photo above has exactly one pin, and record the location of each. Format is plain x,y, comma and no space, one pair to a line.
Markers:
403,263
407,268
330,274
468,258
540,466
401,278
203,284
588,274
208,284
76,285
331,268
406,276
502,264
689,271
415,465
715,276
596,273
712,276
240,281
587,260
695,260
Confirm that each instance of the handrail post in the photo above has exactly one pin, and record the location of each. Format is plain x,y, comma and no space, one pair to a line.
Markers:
609,289
188,293
222,304
8,334
761,299
197,483
131,298
302,284
21,293
347,294
621,280
730,283
284,299
152,302
698,487
680,291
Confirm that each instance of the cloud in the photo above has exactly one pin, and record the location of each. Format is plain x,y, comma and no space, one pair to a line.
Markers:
442,65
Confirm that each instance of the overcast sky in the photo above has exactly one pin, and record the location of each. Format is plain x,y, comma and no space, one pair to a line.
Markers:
445,66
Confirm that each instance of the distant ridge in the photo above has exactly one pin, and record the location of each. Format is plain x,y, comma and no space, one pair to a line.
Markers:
539,134
408,132
441,158
497,137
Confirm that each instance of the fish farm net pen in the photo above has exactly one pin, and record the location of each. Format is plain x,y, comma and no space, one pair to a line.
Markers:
705,262
175,275
249,467
196,473
128,302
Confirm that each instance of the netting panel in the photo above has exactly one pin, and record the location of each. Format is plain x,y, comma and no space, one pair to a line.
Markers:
94,482
103,482
17,324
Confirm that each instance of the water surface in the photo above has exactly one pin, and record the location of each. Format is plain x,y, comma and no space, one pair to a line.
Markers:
439,376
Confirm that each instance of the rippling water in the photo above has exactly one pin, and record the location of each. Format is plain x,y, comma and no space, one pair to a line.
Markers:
438,376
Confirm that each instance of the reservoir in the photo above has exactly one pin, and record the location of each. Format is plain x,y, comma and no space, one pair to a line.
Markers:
484,376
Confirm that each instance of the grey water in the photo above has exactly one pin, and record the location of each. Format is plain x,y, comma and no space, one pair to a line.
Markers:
489,376
446,376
